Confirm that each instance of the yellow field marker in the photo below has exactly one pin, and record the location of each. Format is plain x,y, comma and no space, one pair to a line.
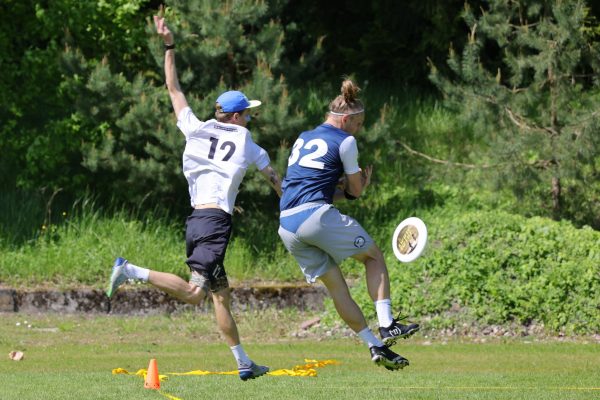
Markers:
308,369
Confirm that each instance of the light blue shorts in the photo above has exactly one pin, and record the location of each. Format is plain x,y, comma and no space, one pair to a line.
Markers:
323,239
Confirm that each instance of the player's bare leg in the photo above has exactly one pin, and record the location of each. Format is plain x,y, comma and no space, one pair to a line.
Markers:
378,281
177,287
123,270
246,367
225,321
343,301
354,318
378,285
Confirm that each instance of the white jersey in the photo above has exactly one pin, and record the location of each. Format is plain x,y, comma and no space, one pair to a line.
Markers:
216,158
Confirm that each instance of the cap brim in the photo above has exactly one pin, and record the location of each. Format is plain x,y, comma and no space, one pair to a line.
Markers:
254,103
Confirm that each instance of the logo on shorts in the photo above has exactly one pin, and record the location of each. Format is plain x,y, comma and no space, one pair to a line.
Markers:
359,241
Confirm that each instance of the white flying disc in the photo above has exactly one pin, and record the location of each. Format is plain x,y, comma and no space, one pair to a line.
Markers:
409,239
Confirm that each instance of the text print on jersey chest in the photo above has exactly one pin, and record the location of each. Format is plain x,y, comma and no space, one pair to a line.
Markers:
316,147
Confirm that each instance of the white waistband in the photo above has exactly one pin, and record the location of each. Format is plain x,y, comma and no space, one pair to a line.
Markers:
301,207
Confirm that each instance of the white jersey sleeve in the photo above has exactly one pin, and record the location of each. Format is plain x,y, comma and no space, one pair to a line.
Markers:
258,156
349,155
188,123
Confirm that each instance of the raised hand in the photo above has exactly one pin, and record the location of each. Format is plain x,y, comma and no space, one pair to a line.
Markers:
161,27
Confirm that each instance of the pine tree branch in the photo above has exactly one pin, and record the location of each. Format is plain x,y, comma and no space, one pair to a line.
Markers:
519,121
543,164
584,121
444,162
525,26
539,164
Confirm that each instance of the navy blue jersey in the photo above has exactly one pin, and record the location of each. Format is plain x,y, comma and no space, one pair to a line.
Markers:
318,160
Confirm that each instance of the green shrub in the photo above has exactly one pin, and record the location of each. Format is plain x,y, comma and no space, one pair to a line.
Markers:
491,267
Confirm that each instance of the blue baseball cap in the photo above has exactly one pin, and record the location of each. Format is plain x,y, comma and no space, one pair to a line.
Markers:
235,101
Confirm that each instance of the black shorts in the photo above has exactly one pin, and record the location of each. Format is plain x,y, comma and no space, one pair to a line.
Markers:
206,238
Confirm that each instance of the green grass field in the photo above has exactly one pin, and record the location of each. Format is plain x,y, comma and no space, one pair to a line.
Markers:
72,357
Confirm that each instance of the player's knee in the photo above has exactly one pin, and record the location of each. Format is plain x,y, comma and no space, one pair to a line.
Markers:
222,297
374,253
195,294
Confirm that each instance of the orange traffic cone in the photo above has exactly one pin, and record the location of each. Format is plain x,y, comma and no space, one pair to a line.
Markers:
152,380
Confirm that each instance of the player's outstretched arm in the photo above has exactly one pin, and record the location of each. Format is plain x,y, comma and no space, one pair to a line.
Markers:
358,182
177,97
273,178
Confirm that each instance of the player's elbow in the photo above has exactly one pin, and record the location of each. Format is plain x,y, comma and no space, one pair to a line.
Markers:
352,195
354,191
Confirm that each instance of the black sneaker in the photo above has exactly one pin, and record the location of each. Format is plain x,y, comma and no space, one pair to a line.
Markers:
387,358
397,330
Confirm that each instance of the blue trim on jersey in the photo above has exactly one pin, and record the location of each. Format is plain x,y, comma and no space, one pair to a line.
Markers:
316,167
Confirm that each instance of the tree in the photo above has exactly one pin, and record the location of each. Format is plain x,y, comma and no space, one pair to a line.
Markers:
41,132
133,147
386,41
528,82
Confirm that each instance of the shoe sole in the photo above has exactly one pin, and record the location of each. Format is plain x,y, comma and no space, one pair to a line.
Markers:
113,277
253,376
390,341
387,364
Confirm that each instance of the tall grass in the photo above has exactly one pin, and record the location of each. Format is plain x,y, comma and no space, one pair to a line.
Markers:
79,246
22,214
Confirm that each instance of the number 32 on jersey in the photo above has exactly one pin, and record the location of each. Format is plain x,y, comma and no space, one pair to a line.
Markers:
316,147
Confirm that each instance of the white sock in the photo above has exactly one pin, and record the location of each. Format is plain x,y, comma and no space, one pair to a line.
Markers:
135,272
367,336
384,312
240,356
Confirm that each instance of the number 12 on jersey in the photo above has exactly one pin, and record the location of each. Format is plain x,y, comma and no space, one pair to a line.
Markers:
213,148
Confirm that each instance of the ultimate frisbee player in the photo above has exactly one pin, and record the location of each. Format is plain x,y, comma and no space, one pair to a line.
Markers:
215,159
320,237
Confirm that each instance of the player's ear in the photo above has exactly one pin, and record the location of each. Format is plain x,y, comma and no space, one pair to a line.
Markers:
344,121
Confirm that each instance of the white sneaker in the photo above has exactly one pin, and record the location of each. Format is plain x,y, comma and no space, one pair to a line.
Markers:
118,276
